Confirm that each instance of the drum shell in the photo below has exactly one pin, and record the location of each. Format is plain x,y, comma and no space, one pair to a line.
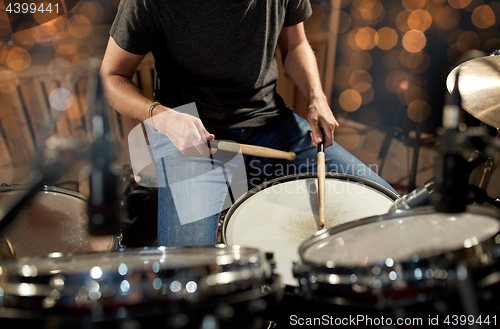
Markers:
480,262
55,220
240,289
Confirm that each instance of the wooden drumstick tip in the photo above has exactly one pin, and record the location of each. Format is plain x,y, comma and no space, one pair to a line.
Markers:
321,185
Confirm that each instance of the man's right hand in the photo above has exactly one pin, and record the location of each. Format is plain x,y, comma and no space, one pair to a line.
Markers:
185,131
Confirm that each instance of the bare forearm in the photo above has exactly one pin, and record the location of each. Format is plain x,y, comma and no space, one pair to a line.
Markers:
301,66
127,98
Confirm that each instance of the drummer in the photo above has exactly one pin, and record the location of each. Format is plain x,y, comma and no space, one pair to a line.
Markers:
220,55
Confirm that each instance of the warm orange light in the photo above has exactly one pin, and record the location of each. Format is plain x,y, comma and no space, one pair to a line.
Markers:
348,137
365,38
351,39
386,38
344,22
361,87
414,41
419,110
413,4
24,39
8,81
78,108
459,4
467,41
360,76
447,18
350,100
395,80
483,17
367,95
411,60
416,93
360,60
420,20
402,21
18,59
92,10
79,26
64,43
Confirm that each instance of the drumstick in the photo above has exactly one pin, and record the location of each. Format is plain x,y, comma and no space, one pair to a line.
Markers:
321,183
252,150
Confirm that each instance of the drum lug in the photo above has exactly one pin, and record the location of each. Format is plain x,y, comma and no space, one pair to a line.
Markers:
271,261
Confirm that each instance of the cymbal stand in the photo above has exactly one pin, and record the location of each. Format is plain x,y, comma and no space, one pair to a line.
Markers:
489,167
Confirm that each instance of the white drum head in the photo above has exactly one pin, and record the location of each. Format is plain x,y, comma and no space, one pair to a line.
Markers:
279,218
424,235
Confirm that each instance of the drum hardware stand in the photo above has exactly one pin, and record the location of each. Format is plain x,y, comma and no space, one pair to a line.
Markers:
467,294
489,167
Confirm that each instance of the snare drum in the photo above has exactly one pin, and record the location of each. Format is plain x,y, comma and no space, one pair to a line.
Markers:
193,287
402,259
55,220
280,214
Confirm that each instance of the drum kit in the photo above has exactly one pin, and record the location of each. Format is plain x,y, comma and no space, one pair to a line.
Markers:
276,267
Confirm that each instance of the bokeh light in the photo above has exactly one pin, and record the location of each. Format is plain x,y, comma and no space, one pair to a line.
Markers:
395,81
348,137
414,41
365,38
416,93
483,17
411,5
420,20
386,38
79,26
447,18
419,110
8,81
78,108
360,76
92,11
61,99
467,41
459,4
18,59
350,100
360,60
402,21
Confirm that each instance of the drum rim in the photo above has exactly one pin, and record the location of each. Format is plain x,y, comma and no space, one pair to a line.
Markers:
305,269
320,235
289,178
87,255
44,188
235,287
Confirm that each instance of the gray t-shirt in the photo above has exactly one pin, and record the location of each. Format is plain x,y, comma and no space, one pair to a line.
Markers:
218,54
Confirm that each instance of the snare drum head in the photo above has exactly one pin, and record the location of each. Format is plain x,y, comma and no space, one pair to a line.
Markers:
280,217
400,239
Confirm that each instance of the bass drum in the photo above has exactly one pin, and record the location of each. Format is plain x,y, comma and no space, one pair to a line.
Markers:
55,220
279,215
192,287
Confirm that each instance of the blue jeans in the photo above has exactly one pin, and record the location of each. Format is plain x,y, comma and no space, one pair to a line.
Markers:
193,190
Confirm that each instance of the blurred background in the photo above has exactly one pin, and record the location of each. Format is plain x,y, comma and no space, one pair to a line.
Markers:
383,65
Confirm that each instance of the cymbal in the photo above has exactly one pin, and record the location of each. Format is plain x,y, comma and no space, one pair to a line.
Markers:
479,85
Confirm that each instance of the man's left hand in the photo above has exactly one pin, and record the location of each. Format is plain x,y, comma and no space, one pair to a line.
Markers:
320,117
